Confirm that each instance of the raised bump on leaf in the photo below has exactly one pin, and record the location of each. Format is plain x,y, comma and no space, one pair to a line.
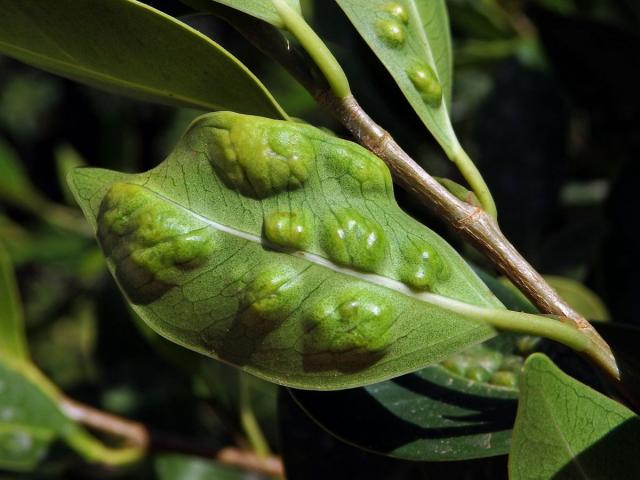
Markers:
422,267
353,240
272,292
426,82
354,321
368,173
258,157
150,242
288,229
390,32
397,11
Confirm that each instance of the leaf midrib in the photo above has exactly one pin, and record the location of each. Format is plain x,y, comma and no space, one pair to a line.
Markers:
433,299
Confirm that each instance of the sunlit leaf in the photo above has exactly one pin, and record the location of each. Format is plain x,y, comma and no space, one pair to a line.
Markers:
280,249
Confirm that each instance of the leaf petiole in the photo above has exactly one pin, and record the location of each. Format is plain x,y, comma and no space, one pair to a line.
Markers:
315,47
473,177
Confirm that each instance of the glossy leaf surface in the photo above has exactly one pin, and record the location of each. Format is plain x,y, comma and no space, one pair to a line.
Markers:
411,38
130,48
566,430
262,9
280,249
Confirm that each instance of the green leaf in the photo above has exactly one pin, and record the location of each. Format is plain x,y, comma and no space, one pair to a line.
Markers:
582,299
262,9
429,415
130,48
175,466
413,42
280,249
32,418
12,337
566,430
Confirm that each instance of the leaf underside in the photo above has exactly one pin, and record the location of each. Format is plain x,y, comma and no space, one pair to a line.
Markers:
280,249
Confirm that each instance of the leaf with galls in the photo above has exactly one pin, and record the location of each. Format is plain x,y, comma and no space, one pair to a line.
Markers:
280,249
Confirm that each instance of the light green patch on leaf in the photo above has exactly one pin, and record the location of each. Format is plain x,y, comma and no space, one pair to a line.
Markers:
129,48
188,245
566,430
12,338
412,39
262,9
581,298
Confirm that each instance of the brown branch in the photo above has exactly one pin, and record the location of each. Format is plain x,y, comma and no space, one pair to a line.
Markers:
133,433
471,223
137,435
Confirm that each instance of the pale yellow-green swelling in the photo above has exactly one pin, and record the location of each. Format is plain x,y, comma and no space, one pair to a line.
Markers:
396,11
148,240
391,32
426,82
273,292
288,229
354,240
260,159
423,267
352,321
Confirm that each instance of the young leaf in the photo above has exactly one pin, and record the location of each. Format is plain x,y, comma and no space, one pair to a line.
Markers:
564,429
12,338
412,40
262,9
280,249
32,418
130,48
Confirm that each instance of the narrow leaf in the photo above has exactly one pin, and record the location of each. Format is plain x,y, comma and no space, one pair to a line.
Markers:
132,49
280,249
566,430
12,337
412,40
262,9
